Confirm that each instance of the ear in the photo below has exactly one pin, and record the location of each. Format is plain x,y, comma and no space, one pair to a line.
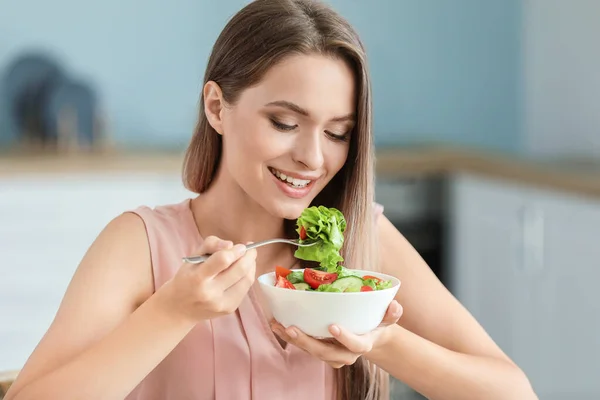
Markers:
213,105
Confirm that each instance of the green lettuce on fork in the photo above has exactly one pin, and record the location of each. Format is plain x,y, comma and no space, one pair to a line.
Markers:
327,226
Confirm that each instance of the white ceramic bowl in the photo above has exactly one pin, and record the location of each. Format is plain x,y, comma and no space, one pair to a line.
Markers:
313,312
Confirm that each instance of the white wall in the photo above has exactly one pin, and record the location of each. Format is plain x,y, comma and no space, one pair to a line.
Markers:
562,77
47,225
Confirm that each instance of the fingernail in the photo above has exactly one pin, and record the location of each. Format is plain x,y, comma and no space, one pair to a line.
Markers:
292,333
335,330
239,250
398,310
225,244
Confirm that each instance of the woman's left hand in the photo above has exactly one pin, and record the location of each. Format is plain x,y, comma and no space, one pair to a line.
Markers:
345,347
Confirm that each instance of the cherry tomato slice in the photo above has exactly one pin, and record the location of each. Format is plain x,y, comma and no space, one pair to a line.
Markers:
315,278
284,283
372,277
281,271
302,233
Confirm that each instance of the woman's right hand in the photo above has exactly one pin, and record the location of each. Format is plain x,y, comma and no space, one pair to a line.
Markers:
216,287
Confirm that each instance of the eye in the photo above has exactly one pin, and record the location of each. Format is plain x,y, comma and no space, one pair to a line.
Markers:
338,138
282,127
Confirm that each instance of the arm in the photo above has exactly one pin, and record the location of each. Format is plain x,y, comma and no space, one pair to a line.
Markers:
100,329
438,348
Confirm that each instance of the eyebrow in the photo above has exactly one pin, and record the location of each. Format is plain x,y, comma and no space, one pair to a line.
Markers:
299,110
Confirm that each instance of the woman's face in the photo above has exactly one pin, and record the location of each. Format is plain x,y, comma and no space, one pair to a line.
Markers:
288,136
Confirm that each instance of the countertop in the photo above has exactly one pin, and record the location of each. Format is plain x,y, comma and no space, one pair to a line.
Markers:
573,175
570,175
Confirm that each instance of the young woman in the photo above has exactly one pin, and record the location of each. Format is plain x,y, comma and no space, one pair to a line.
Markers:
285,123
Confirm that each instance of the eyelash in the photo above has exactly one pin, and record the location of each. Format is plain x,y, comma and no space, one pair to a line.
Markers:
288,128
283,127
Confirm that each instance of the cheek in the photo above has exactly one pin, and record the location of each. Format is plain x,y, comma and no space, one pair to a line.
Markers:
248,141
336,157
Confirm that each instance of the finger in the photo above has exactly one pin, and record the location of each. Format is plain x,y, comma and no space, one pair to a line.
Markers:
336,365
328,352
242,270
212,244
280,331
359,344
393,313
238,291
222,259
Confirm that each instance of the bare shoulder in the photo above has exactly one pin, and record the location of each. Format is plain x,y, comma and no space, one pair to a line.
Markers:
430,310
120,259
121,255
112,279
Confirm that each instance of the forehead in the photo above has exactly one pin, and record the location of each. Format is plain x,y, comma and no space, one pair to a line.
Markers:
321,84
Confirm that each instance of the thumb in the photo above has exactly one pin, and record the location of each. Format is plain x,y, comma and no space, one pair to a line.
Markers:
212,244
393,314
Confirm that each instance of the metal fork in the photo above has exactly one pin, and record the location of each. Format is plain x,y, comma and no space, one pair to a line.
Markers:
296,242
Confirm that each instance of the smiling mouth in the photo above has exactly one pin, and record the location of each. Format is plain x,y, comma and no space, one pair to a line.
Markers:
292,182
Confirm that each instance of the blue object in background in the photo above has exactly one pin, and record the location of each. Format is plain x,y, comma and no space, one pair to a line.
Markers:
443,71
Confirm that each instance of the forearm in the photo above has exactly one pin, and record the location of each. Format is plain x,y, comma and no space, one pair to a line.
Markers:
112,368
439,373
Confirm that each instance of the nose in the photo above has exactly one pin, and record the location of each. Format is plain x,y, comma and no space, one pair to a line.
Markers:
308,150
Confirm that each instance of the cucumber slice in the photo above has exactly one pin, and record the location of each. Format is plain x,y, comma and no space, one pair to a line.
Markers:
348,284
301,286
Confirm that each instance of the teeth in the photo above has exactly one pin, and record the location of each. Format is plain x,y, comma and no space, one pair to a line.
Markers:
299,183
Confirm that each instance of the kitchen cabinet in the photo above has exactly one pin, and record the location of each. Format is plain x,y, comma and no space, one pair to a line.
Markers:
524,261
47,224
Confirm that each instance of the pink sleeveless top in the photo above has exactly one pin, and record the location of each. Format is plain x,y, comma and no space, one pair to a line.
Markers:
233,357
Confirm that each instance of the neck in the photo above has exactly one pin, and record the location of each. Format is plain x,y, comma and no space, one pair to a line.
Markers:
227,212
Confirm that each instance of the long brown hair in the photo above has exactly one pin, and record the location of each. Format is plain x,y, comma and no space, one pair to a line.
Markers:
254,40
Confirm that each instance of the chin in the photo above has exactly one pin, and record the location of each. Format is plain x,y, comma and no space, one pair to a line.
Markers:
291,210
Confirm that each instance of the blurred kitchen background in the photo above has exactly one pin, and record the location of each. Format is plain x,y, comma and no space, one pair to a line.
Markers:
487,127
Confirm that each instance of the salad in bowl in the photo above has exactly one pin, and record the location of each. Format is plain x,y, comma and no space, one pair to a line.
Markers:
314,298
342,280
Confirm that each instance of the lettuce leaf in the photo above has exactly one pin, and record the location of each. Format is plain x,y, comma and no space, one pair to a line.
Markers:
327,226
326,287
383,285
295,277
370,282
343,272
